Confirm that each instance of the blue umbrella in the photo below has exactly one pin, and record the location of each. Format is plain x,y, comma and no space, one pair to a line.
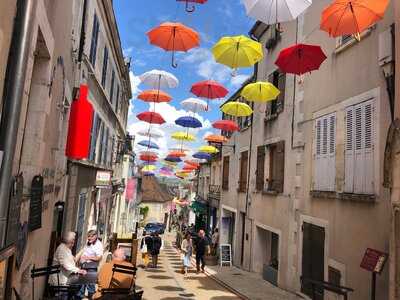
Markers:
188,122
148,144
202,155
148,174
173,159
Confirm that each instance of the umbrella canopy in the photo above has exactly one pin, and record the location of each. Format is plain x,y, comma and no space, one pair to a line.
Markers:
226,125
216,138
173,159
260,91
191,9
148,144
183,136
151,117
148,168
194,104
346,17
158,79
237,109
194,163
148,174
275,11
237,51
300,59
151,132
202,155
188,121
209,89
208,149
178,148
156,96
147,152
150,158
189,167
174,37
177,154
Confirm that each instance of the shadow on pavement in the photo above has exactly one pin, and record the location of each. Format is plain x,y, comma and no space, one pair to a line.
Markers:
160,277
169,288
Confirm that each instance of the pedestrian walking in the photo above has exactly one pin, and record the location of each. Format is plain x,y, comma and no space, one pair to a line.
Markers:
187,250
202,247
90,257
145,244
155,250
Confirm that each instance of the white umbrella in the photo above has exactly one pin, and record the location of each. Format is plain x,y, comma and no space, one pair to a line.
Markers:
158,79
151,132
194,104
275,11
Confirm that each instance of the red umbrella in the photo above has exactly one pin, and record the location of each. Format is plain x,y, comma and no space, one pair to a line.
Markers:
226,125
300,59
192,1
151,117
189,167
148,158
209,89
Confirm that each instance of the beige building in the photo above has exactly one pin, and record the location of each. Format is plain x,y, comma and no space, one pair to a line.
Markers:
305,195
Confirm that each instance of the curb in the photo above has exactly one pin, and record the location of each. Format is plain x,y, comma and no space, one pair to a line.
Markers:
217,280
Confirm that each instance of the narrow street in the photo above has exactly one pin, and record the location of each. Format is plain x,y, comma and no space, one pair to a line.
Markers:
167,283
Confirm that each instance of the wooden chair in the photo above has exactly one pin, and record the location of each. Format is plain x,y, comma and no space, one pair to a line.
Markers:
113,288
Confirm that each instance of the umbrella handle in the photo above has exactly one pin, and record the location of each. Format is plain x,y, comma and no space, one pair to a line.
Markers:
173,63
234,73
189,10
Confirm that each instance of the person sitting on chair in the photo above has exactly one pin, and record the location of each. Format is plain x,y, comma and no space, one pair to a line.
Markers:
106,279
63,257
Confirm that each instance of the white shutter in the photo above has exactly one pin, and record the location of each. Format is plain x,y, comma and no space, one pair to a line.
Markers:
349,152
325,149
359,163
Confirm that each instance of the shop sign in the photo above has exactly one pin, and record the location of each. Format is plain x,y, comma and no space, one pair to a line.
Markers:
103,178
36,203
373,260
14,209
226,254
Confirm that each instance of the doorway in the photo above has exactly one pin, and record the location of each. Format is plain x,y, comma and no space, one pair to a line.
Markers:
313,258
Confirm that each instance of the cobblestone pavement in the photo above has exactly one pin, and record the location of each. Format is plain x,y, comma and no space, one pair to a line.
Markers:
167,283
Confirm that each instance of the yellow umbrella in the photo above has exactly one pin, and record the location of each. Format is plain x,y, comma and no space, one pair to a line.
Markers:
208,149
148,168
260,91
237,109
183,136
237,51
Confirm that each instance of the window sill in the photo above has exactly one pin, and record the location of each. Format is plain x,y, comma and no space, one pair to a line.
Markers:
344,196
341,47
269,192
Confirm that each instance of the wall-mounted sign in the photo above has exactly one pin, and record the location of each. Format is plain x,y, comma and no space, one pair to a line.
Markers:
103,178
36,203
374,260
14,209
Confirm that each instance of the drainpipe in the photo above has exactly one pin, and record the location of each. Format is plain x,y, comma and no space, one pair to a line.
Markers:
12,101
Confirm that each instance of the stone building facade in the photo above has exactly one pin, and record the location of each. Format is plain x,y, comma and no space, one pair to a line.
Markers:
306,172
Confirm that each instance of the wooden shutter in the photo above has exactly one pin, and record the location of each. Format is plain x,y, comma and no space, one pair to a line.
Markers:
243,171
278,168
105,65
269,104
281,85
117,100
93,43
112,86
225,173
331,153
359,162
260,168
318,162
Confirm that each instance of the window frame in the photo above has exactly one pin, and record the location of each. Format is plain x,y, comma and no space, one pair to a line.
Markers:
94,40
105,67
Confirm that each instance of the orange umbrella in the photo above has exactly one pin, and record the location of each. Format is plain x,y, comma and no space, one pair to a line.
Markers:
216,138
345,17
189,167
174,37
156,96
193,163
177,154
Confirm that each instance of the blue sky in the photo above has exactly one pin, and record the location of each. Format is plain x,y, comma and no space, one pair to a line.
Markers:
214,19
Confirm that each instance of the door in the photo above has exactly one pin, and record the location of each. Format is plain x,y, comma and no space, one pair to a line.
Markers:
313,258
81,219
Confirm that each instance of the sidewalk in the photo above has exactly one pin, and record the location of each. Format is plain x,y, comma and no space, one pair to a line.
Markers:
248,285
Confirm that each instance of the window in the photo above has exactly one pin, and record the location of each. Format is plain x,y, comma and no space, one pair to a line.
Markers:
244,157
93,43
105,64
94,136
112,86
274,256
225,173
105,147
325,153
226,133
99,157
260,174
275,107
359,149
245,122
117,100
273,36
276,167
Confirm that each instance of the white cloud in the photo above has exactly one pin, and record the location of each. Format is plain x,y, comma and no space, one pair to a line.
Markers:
135,82
238,80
